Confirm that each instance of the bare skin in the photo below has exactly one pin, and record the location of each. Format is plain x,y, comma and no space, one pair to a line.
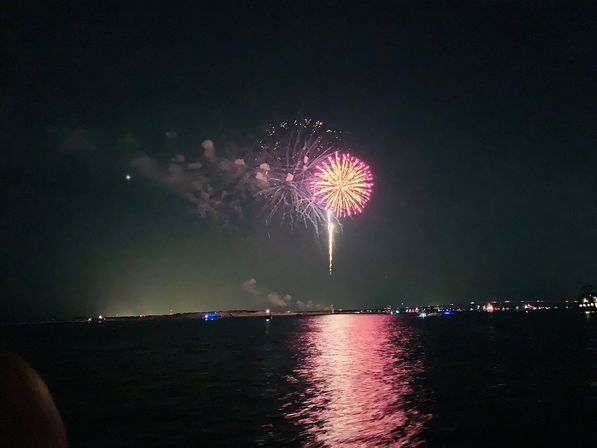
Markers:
28,415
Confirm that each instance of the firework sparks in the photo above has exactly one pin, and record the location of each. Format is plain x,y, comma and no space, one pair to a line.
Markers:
290,152
342,184
296,169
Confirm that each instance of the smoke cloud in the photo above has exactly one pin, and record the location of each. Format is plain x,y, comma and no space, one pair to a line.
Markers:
249,287
216,186
277,300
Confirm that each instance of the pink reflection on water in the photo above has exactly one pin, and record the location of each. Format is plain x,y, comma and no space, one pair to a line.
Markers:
356,375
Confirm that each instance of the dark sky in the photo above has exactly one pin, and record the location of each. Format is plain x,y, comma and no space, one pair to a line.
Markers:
478,120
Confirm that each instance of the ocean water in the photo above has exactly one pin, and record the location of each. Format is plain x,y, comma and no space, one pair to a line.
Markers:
336,380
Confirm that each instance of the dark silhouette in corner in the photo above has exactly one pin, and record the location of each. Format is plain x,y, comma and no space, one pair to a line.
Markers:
28,415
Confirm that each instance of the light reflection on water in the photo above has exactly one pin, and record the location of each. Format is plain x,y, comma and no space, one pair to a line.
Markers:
356,378
321,381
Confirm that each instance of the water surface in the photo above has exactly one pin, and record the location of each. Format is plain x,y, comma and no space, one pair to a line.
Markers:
338,380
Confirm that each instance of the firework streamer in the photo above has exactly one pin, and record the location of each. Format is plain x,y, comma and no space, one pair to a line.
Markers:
342,184
330,241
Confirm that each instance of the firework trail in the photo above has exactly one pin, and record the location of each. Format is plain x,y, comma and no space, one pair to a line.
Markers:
342,184
330,241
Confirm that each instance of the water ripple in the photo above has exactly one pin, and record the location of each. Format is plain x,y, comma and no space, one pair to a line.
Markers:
353,384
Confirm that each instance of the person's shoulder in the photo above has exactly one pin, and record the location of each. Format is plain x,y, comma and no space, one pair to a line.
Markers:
28,415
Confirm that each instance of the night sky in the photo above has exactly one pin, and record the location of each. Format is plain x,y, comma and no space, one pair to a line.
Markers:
477,119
